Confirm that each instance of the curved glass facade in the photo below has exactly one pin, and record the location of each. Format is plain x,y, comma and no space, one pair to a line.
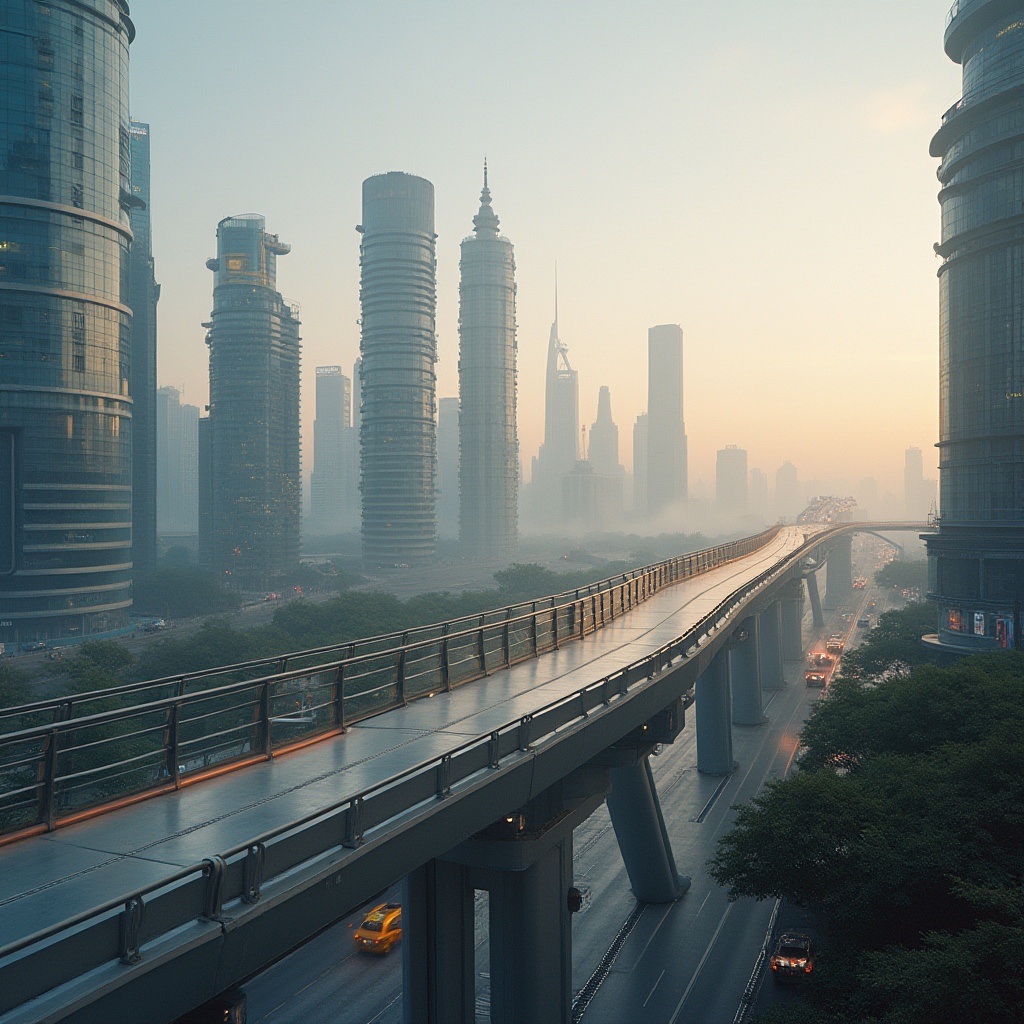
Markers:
65,364
977,558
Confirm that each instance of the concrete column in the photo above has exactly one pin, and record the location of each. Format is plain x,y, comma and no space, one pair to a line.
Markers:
643,839
769,638
438,970
792,598
745,674
714,728
531,940
817,615
839,582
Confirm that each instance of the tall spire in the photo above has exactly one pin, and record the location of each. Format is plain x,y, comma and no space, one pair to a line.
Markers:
486,221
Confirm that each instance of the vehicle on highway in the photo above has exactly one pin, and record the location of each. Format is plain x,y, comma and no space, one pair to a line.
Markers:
380,930
815,677
34,645
864,623
793,957
835,644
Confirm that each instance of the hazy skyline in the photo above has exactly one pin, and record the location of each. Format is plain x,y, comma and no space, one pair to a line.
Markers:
756,173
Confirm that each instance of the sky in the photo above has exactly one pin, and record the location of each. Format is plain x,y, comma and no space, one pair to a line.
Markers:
757,172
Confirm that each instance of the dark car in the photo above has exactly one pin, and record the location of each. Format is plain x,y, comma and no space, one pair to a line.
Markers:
793,957
34,645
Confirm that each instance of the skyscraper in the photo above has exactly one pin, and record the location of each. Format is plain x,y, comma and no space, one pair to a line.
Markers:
560,449
143,292
332,434
253,336
604,437
65,319
448,431
788,499
488,442
177,463
397,438
666,430
640,458
976,574
731,481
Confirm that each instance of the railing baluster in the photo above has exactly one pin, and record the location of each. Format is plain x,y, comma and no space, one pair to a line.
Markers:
481,645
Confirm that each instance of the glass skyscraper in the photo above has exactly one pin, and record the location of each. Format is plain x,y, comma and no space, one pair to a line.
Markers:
250,529
65,317
977,557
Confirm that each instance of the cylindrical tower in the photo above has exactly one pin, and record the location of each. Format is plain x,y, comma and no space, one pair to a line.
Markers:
977,558
65,361
397,436
488,443
254,409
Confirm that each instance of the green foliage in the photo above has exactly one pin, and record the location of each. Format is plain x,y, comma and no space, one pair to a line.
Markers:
904,575
14,686
521,582
176,592
893,647
904,824
97,665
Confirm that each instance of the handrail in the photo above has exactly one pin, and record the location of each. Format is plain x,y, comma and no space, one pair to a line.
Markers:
61,769
602,692
64,705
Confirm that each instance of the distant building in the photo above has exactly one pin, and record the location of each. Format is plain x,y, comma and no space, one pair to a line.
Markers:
398,346
253,335
758,494
640,463
448,430
976,571
65,320
177,463
143,293
789,500
333,437
603,456
667,472
731,481
488,439
918,492
560,450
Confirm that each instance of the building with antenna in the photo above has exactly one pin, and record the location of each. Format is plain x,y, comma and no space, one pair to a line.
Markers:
560,450
253,428
488,439
398,385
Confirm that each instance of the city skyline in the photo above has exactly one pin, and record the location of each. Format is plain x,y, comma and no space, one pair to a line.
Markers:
783,218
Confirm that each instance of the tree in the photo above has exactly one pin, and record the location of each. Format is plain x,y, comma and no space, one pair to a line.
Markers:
894,646
14,686
179,591
527,582
904,574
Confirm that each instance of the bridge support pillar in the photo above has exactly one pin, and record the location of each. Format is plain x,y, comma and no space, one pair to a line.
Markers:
643,839
769,639
792,619
817,615
714,728
745,674
839,582
524,861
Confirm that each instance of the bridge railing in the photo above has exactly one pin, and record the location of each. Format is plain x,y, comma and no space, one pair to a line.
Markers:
77,705
55,773
117,929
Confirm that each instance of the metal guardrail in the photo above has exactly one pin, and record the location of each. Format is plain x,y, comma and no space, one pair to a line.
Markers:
57,772
115,930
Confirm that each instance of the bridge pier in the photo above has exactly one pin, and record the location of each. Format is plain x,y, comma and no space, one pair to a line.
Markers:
643,839
817,615
745,673
714,728
524,862
769,639
839,580
792,599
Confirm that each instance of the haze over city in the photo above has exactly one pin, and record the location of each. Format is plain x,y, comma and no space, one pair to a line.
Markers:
757,173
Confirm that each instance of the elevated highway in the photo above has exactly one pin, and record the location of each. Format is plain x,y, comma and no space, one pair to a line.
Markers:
144,911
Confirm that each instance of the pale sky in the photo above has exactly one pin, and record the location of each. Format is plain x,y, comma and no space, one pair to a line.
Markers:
754,170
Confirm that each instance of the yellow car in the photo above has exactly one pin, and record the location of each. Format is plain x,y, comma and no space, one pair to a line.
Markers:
380,930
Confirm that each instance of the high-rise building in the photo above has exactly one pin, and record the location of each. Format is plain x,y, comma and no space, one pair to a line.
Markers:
488,442
177,463
254,453
604,437
397,437
757,492
332,437
977,558
448,461
143,292
788,499
918,491
666,430
560,449
65,319
731,481
640,462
